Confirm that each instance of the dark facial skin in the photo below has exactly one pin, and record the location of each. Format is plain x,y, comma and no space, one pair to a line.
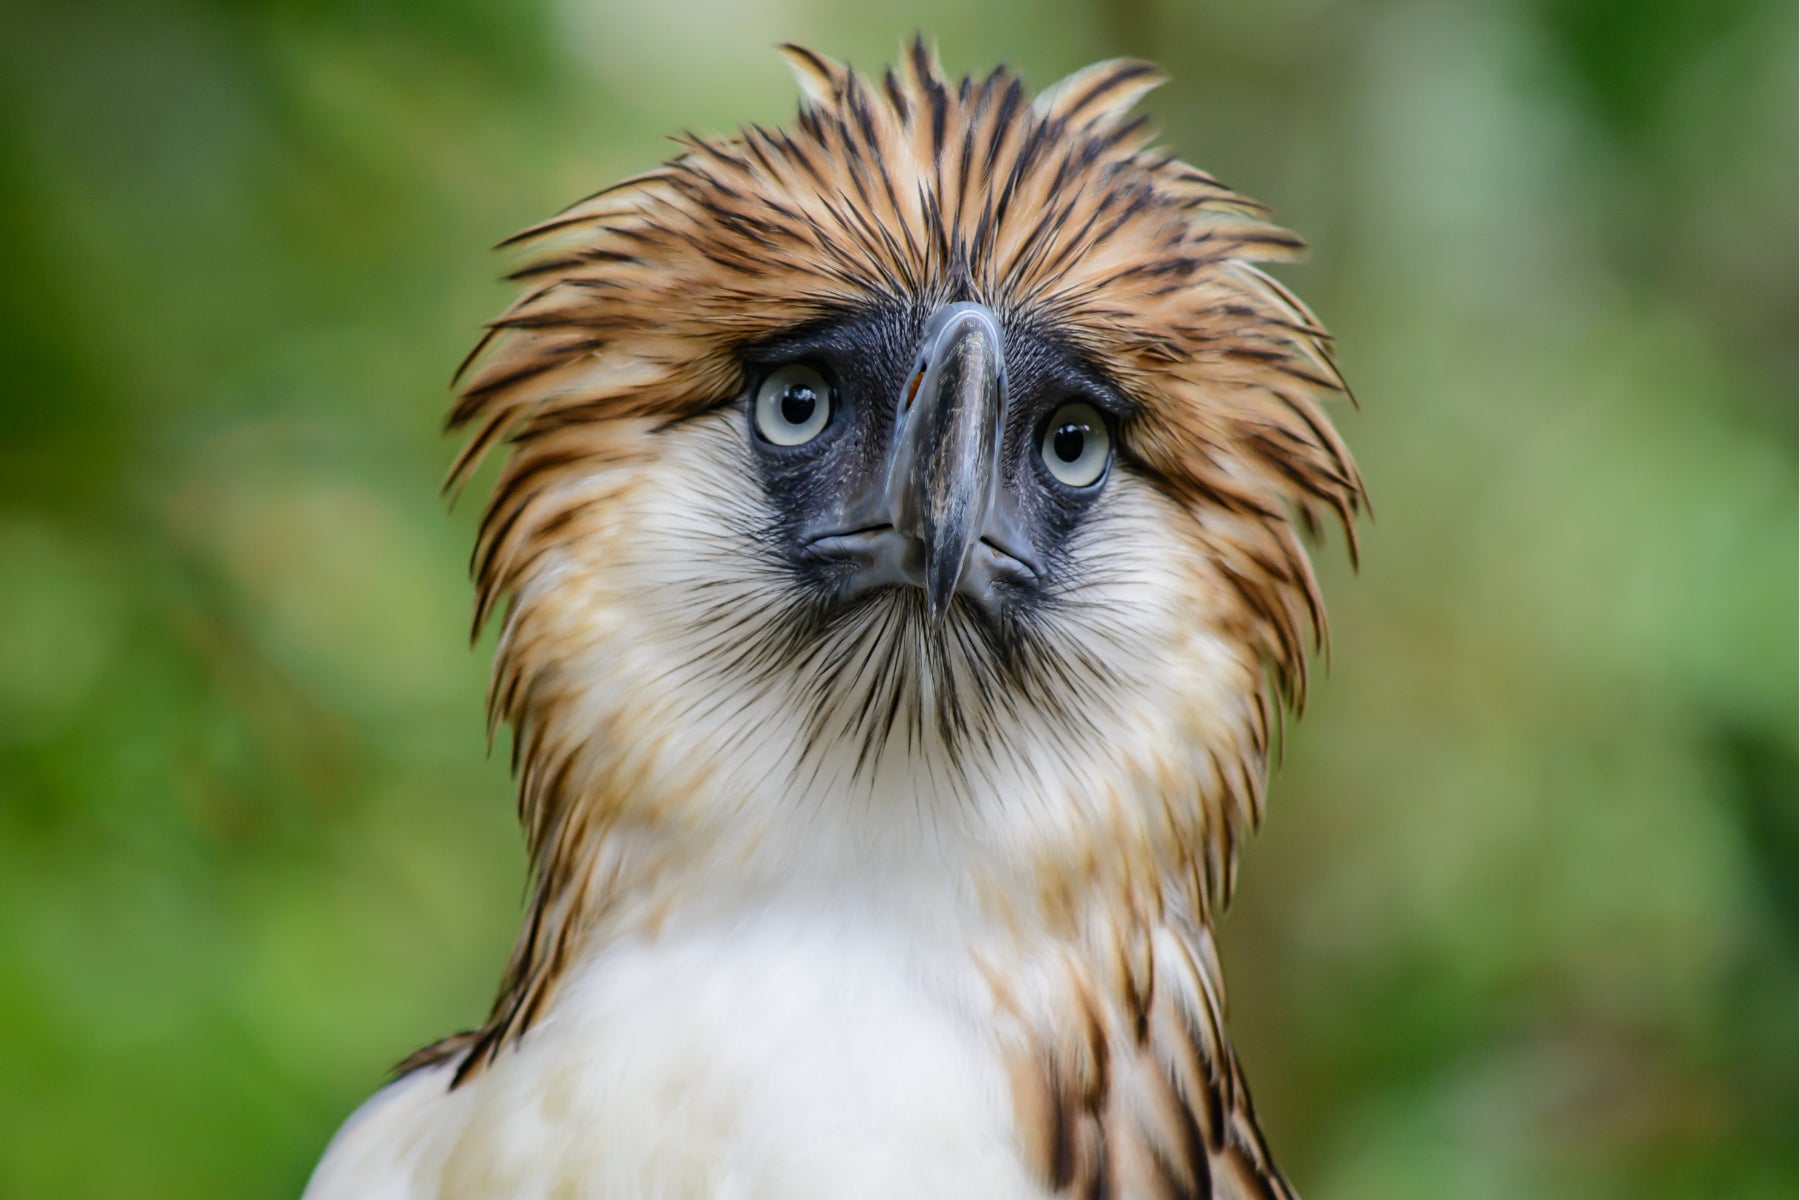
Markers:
838,482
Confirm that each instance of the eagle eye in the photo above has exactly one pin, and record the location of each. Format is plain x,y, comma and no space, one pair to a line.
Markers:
1077,445
793,405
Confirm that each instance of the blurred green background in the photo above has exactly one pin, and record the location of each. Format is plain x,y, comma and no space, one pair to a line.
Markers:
1522,920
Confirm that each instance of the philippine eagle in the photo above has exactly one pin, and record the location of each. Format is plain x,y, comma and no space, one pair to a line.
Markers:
899,548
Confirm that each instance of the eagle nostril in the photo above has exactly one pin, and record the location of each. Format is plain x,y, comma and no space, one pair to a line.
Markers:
912,389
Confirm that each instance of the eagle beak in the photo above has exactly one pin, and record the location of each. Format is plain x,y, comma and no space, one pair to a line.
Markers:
934,515
943,462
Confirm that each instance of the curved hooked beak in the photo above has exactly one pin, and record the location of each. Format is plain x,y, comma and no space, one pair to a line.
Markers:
934,517
943,461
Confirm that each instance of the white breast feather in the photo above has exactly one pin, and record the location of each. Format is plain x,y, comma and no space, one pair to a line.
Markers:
789,1058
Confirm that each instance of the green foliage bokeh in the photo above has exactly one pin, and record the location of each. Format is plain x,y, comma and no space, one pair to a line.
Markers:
1522,918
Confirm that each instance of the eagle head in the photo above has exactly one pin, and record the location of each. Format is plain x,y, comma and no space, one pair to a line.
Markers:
903,502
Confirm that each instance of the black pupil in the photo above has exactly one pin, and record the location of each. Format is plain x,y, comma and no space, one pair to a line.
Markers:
1069,441
797,403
